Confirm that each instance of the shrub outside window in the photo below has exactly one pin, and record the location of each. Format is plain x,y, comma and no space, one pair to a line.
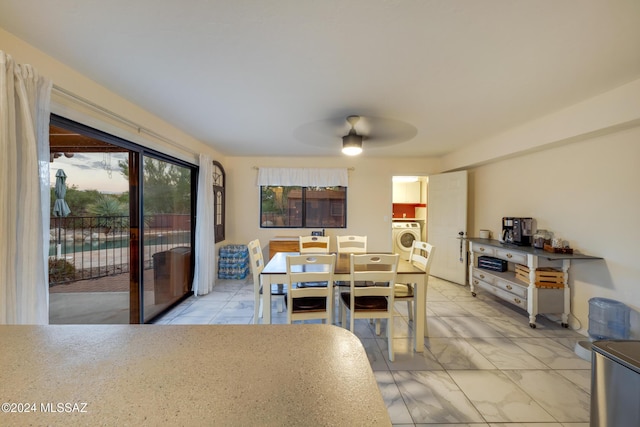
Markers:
303,207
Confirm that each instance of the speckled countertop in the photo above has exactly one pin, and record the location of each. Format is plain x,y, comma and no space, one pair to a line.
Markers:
119,375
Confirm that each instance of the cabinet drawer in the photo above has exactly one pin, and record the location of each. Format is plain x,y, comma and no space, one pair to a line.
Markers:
483,249
484,285
511,287
512,256
482,275
513,299
500,293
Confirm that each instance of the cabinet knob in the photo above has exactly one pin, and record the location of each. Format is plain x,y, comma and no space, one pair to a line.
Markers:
482,276
481,249
509,256
509,287
475,282
517,300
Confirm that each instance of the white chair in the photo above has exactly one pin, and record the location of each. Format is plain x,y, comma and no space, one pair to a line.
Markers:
310,302
257,265
420,256
352,244
314,244
376,300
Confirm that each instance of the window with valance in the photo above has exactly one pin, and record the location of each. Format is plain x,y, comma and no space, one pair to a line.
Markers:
303,197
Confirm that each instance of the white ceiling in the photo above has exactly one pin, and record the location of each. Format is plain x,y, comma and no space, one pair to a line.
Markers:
267,77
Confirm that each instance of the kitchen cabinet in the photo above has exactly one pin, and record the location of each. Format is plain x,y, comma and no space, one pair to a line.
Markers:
535,300
406,192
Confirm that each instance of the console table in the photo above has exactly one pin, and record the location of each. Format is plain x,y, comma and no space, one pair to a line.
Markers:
505,285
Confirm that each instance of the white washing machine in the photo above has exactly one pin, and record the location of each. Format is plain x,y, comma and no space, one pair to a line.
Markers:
404,233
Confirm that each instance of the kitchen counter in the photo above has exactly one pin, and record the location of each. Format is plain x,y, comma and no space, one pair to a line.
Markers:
186,375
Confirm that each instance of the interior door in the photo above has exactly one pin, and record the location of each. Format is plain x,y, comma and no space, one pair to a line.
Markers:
446,219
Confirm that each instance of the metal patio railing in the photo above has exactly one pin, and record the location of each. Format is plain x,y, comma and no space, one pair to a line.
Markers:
84,248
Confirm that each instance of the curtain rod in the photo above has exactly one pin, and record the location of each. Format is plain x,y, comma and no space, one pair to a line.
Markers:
140,129
349,169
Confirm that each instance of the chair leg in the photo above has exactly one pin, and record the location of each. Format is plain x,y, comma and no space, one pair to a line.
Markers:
257,312
378,322
390,338
410,309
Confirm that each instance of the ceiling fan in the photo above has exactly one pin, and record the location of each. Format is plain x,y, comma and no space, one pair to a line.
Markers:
374,131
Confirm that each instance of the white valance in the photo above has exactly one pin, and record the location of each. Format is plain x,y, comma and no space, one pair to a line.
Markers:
304,177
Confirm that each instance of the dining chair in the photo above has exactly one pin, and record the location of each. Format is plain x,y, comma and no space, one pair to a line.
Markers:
374,301
420,256
310,302
352,244
314,244
257,265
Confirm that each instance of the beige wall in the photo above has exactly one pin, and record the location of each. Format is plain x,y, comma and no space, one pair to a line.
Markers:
369,205
586,192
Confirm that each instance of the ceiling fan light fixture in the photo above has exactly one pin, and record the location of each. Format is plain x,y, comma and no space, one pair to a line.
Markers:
352,144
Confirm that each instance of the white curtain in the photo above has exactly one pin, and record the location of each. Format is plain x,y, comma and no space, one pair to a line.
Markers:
24,191
304,177
204,274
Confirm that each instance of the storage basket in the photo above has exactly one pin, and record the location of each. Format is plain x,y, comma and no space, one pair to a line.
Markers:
546,277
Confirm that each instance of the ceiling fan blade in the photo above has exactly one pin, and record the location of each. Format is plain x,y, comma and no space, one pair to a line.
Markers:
375,131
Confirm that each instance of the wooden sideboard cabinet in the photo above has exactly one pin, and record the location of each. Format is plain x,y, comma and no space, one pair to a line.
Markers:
535,300
284,244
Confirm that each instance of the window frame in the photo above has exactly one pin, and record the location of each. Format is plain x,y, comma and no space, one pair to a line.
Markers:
219,211
304,208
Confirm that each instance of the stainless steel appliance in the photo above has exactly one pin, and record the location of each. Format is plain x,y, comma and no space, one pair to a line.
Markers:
615,383
518,231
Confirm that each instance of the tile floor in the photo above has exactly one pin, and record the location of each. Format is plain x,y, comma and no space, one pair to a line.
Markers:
482,366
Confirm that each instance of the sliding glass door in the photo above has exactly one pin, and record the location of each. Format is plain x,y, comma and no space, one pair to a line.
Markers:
167,220
121,253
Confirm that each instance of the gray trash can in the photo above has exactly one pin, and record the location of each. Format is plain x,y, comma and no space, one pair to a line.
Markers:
615,383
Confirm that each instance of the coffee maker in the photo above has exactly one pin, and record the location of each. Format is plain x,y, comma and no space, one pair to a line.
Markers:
517,230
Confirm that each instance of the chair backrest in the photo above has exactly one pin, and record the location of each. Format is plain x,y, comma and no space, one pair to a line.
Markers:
314,244
352,244
310,268
377,269
316,270
421,255
256,259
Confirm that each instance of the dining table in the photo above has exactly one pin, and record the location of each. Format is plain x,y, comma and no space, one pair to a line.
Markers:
275,272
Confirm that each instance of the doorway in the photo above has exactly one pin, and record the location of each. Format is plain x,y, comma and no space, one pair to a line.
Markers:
438,204
122,251
410,201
